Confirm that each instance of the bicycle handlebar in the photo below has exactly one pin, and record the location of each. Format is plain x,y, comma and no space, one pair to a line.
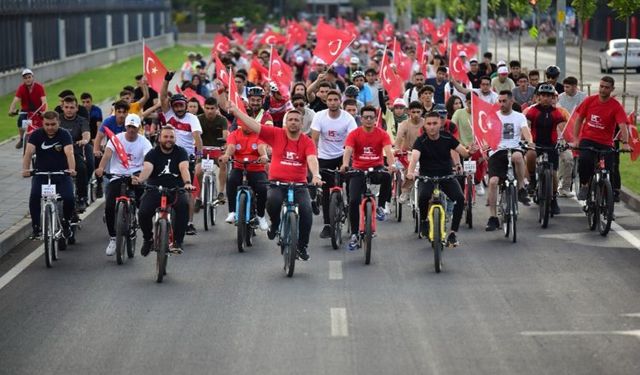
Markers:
35,172
599,151
163,189
437,178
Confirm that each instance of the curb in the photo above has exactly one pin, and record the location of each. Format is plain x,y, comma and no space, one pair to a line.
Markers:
630,198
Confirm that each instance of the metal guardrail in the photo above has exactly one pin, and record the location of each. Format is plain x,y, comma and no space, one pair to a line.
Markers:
29,7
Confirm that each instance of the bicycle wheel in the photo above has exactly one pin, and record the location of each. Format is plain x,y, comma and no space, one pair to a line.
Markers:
592,205
291,244
545,196
133,229
122,231
162,248
205,202
513,217
605,207
335,219
368,231
469,203
437,243
398,182
242,227
213,208
505,208
48,236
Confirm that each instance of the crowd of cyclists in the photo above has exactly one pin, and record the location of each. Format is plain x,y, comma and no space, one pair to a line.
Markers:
336,117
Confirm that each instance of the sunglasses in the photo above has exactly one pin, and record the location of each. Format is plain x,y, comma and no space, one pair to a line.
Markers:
368,117
298,104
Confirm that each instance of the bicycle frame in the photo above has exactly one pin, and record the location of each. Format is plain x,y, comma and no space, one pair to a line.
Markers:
246,188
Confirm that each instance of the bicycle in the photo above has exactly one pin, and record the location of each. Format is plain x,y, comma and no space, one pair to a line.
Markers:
288,230
396,185
415,210
437,215
163,228
209,192
338,210
469,168
50,221
543,194
246,221
508,202
367,225
126,218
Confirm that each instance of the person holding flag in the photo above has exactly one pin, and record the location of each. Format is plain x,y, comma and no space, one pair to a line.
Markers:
124,154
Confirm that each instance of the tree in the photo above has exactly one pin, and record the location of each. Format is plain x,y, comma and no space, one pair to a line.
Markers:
544,5
521,8
494,5
625,9
584,10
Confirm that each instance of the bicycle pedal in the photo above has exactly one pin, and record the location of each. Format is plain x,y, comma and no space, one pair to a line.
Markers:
175,251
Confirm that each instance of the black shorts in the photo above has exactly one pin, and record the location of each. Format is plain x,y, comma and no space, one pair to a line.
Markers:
554,157
498,164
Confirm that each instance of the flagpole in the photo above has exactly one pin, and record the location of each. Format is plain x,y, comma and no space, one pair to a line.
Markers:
270,58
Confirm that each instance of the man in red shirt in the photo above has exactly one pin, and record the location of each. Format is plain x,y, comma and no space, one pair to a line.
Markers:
32,99
600,114
368,144
292,153
277,105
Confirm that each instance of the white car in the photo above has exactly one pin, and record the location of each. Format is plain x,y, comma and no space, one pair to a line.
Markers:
612,56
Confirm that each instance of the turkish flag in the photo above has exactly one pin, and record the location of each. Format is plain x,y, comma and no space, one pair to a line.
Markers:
251,39
351,27
428,27
331,42
255,64
190,93
221,44
122,154
221,71
387,28
280,72
457,69
402,61
471,49
487,127
390,79
295,35
237,38
567,132
442,34
273,38
634,142
154,70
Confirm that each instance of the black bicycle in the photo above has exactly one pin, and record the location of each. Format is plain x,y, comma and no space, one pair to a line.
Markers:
338,208
508,205
126,217
246,220
544,192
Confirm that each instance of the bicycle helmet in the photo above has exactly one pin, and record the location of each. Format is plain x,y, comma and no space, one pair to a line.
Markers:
552,71
255,91
356,74
441,110
273,87
352,91
178,98
546,88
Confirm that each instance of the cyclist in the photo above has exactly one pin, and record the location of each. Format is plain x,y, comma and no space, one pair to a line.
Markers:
214,131
545,120
367,144
553,72
135,147
32,98
600,114
277,104
53,148
408,131
514,128
433,150
187,131
293,153
165,165
329,130
242,144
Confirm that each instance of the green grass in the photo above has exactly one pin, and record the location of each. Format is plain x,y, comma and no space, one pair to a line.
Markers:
102,83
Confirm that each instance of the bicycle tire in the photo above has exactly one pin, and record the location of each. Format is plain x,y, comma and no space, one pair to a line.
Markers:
437,243
469,204
162,249
335,221
213,209
605,207
544,208
48,237
592,205
505,208
132,231
122,231
205,202
514,214
397,197
291,244
368,231
241,222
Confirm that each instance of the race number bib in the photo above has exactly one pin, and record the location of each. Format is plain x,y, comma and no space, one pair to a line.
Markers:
469,166
207,165
48,190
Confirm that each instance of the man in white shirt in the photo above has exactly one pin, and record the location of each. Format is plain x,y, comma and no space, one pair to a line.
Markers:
514,129
135,147
484,92
411,95
329,130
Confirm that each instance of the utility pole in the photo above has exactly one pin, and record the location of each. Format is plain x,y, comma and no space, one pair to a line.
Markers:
561,57
483,27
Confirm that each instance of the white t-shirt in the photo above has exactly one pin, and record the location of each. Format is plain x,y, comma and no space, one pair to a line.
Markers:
491,97
184,129
135,150
512,125
333,132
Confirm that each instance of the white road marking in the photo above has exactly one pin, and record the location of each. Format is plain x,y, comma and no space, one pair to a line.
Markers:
633,315
335,270
635,333
35,254
339,327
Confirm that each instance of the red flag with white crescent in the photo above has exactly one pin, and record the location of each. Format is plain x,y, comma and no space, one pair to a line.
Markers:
273,38
221,71
634,139
402,61
190,93
122,154
154,70
331,42
390,79
251,39
470,49
458,69
221,44
280,72
234,97
567,132
487,126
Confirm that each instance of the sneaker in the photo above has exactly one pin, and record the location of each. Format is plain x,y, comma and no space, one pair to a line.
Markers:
231,218
19,143
191,230
262,223
403,198
36,234
99,192
221,198
523,197
176,248
302,253
111,248
146,247
492,224
315,207
583,193
424,229
555,209
616,196
273,230
66,229
380,214
565,193
387,211
353,243
326,231
81,205
479,189
452,240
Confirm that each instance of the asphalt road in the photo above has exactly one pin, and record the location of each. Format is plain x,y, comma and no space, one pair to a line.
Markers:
557,302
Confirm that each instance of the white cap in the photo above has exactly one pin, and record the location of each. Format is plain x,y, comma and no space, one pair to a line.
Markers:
473,59
462,53
399,102
503,70
26,71
354,60
502,63
319,61
132,120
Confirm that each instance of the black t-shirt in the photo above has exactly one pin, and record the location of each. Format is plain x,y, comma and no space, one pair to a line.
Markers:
435,156
50,155
82,112
165,166
137,95
317,105
212,130
76,127
475,79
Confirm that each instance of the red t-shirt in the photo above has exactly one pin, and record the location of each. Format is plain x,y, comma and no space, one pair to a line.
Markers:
600,119
246,147
367,147
288,157
30,101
